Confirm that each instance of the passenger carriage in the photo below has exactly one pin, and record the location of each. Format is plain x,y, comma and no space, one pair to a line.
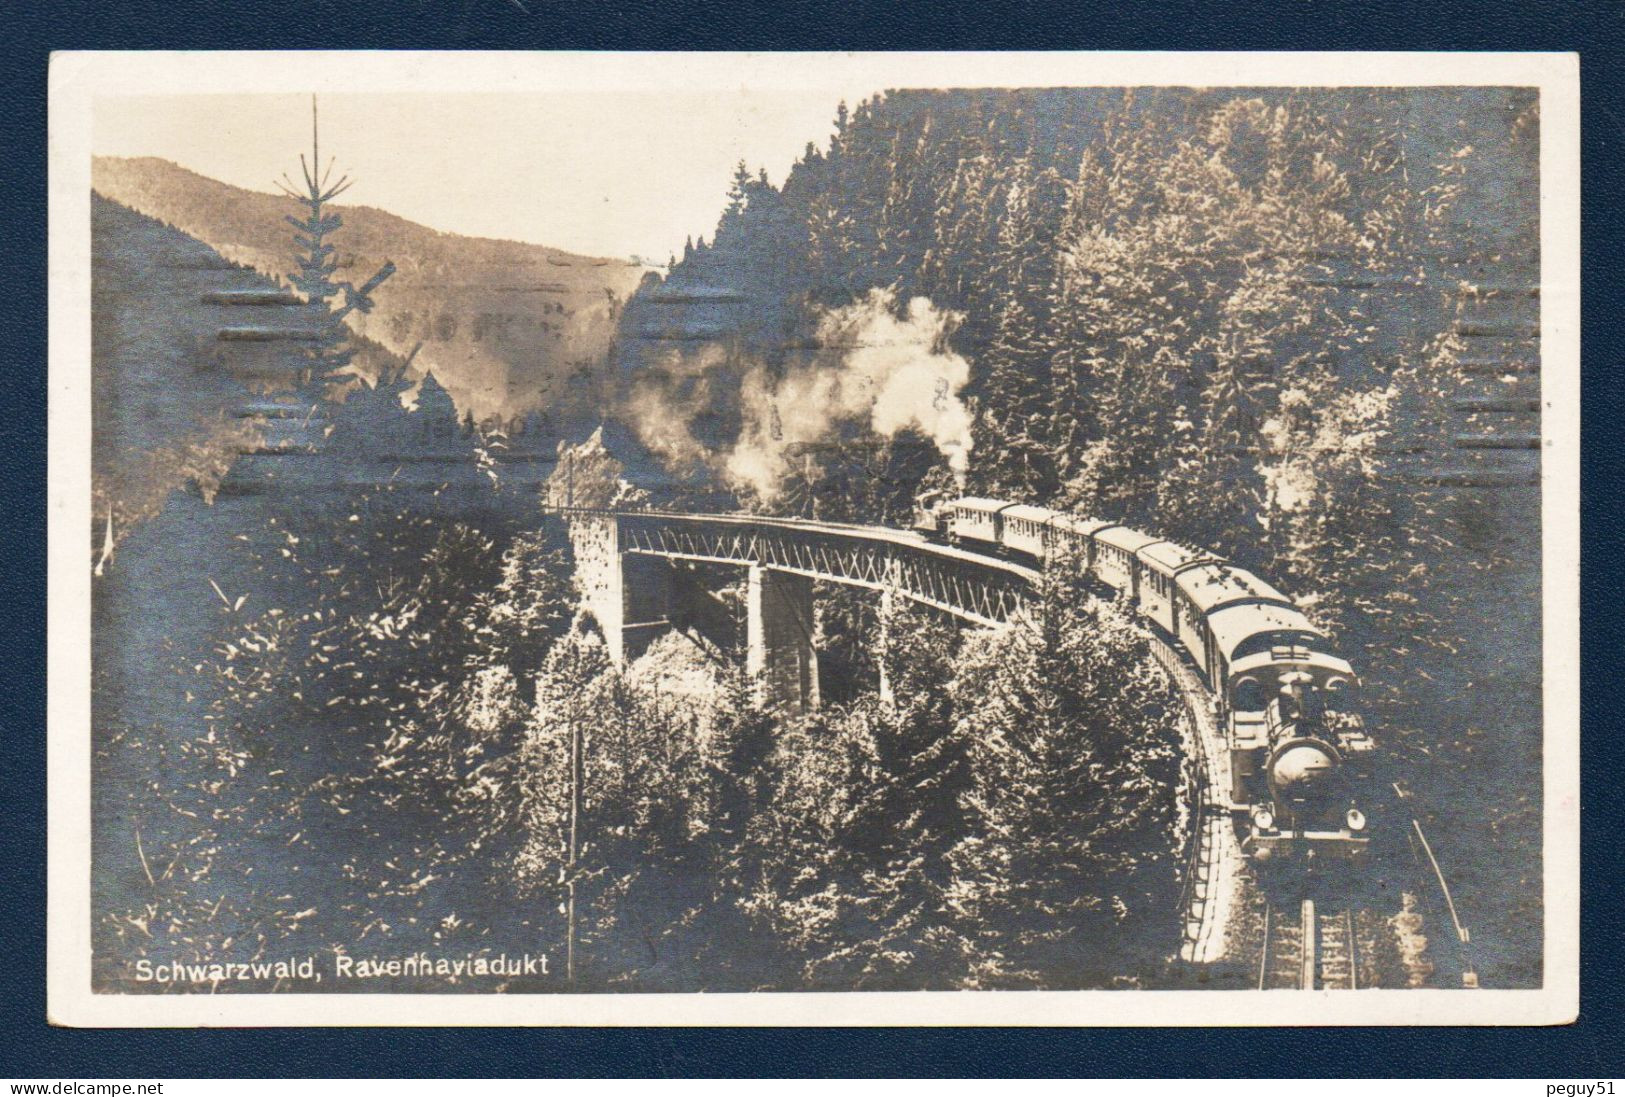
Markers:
1027,529
1276,684
1114,561
976,520
1204,590
1075,535
1160,564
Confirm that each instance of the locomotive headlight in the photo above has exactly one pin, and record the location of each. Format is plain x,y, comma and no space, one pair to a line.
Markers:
1264,819
1355,819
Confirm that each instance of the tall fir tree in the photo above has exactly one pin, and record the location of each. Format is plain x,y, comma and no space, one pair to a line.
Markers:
1073,801
324,358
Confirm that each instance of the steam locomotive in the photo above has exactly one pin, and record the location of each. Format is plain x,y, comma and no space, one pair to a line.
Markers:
1294,746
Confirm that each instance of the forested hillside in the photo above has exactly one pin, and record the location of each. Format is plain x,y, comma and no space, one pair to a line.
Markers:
1149,287
1298,328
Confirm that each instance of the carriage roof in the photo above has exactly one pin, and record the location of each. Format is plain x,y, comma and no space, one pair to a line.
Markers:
1209,586
1235,624
1081,524
1041,515
1167,557
1265,660
979,504
1121,537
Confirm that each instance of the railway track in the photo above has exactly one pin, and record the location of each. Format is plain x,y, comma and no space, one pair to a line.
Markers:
1308,949
1212,882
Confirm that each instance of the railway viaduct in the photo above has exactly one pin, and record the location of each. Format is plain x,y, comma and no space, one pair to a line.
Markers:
631,570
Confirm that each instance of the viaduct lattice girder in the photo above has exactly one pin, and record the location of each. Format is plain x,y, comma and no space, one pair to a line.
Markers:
982,590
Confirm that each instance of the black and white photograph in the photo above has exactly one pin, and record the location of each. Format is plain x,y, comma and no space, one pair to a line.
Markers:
814,539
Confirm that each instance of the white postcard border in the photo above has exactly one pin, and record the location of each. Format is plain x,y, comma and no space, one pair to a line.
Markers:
77,78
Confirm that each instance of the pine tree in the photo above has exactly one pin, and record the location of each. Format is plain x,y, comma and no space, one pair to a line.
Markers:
614,797
328,354
733,214
1072,804
740,743
925,763
1027,398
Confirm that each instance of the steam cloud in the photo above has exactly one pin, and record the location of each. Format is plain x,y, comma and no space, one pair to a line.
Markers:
873,367
661,406
896,372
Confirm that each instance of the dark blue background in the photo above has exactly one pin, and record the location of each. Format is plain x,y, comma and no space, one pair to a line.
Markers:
30,1049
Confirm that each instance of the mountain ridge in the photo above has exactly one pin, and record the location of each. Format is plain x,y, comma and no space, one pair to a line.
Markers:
508,326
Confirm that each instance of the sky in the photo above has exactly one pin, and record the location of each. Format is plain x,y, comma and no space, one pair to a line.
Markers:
607,154
605,173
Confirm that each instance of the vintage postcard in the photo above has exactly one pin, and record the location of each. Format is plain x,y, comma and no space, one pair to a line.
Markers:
604,539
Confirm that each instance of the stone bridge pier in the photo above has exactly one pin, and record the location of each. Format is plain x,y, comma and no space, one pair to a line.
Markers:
779,652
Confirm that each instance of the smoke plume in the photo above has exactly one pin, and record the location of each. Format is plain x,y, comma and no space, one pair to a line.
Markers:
662,405
871,368
895,373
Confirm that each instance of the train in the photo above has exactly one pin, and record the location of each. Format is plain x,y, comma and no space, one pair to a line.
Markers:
1297,751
